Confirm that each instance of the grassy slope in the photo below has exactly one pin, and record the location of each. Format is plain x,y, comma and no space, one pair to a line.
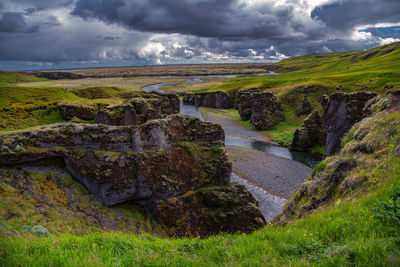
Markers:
134,84
8,77
52,198
348,69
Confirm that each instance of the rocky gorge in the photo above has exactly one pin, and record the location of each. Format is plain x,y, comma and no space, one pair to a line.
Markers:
160,163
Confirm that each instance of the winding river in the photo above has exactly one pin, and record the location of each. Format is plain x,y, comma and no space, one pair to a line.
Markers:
239,137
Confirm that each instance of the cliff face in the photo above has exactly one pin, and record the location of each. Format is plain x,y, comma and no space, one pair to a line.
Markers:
152,161
372,144
158,160
341,112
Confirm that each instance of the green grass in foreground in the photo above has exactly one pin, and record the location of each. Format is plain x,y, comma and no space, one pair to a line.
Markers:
352,233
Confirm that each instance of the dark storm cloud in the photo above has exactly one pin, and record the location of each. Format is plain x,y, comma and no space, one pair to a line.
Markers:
38,5
204,18
15,22
185,31
345,15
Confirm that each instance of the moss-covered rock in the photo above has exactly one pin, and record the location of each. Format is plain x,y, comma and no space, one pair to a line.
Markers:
122,115
263,108
266,111
374,105
310,134
138,110
304,108
211,210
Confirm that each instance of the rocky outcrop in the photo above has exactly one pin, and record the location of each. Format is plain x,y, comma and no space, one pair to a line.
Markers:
368,146
155,160
390,103
304,108
311,133
139,110
188,99
218,99
198,99
263,109
266,112
122,115
68,110
211,210
374,105
341,112
158,160
244,98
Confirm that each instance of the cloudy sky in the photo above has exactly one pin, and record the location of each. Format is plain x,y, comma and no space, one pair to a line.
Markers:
43,34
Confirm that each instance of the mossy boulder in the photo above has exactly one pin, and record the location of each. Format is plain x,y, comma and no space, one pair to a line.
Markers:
211,210
310,134
266,111
263,108
304,108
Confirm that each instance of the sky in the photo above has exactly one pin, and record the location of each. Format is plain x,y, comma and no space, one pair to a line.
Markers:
56,34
